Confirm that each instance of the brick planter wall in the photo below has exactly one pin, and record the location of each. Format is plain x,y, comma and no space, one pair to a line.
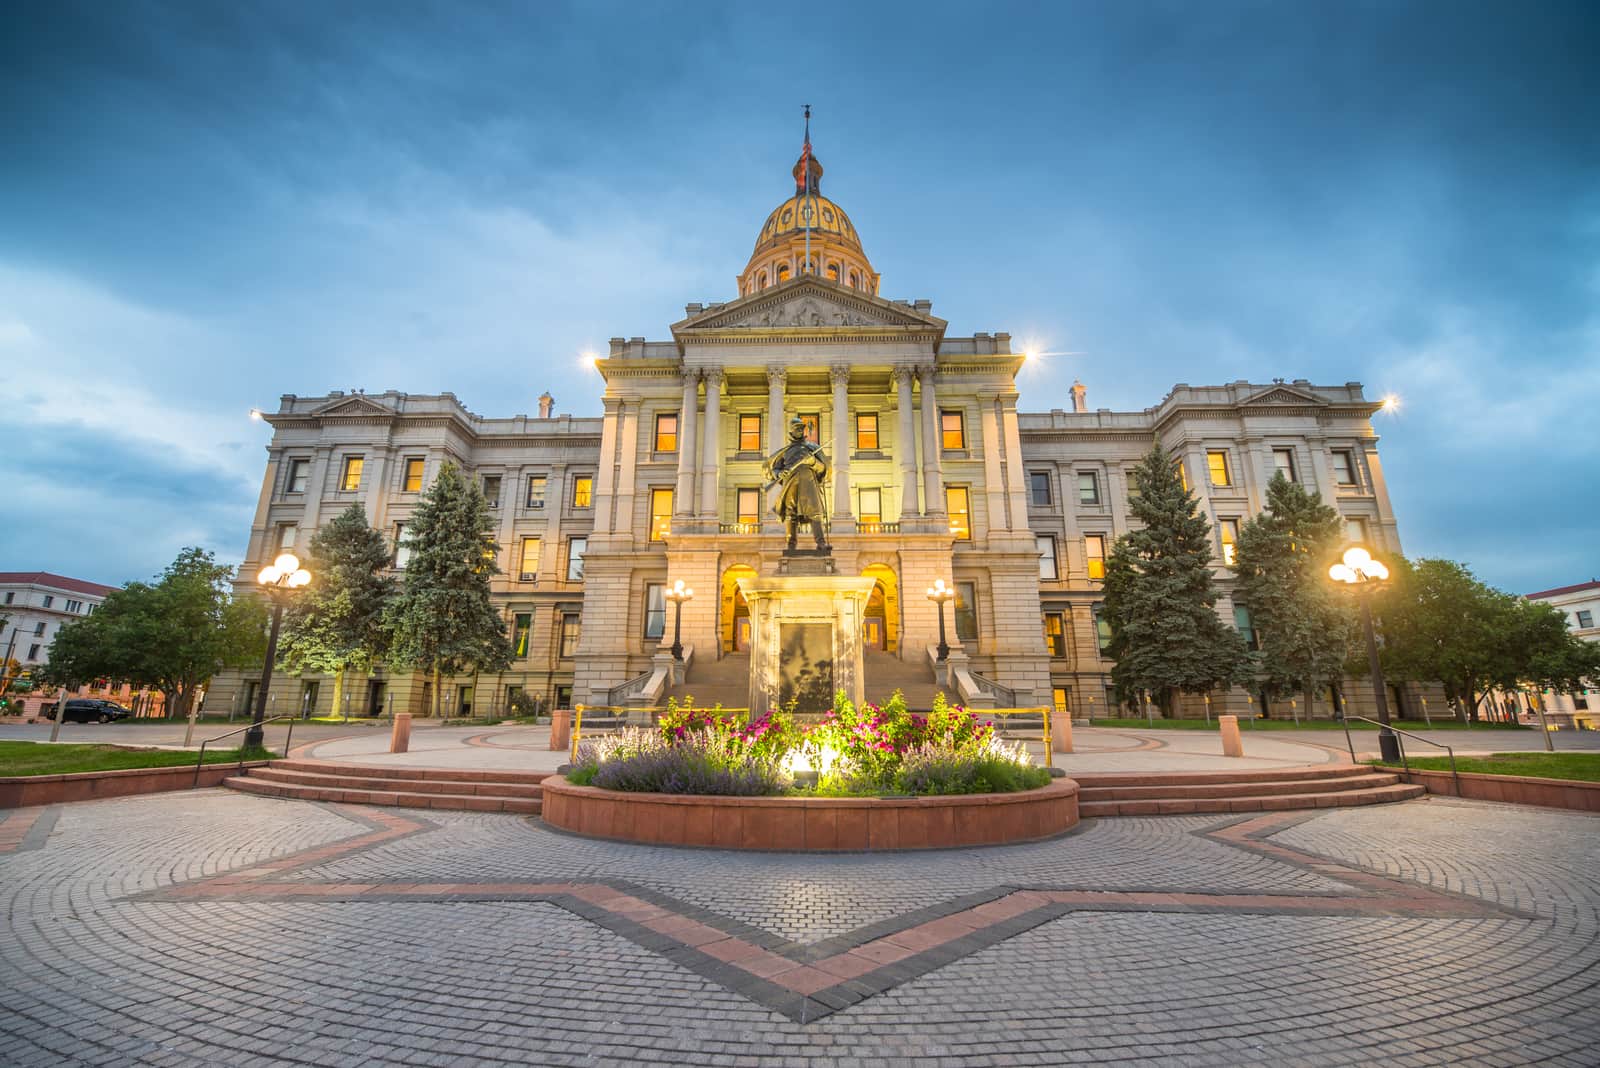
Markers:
20,791
806,824
1516,789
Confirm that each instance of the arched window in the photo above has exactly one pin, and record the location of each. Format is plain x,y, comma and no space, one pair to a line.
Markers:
761,280
783,272
833,271
855,280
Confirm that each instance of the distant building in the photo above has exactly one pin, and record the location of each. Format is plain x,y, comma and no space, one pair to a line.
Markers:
1581,605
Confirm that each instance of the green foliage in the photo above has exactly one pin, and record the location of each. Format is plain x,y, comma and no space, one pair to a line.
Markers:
337,623
583,776
931,770
43,758
1581,767
1305,626
443,620
1160,593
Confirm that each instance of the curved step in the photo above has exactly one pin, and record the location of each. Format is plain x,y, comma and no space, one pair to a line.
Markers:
1236,789
528,806
385,771
342,781
1207,778
1268,803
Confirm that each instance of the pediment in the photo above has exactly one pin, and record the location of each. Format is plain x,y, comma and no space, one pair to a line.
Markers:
1279,394
809,304
352,406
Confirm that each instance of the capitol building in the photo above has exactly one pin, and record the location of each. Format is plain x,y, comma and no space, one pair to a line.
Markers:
935,473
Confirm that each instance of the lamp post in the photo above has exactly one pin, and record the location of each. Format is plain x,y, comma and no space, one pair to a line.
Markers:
941,595
1364,573
278,580
678,594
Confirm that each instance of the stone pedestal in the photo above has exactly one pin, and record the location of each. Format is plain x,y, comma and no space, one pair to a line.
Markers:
1232,744
805,639
400,733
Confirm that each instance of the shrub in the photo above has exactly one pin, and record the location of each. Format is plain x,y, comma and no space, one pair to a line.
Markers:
700,762
932,768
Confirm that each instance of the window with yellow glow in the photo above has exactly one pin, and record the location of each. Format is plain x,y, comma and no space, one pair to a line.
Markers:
1055,635
1228,531
748,504
813,424
958,505
750,433
351,478
414,474
1094,551
583,492
866,431
528,565
952,430
660,513
1217,461
871,504
1058,697
667,432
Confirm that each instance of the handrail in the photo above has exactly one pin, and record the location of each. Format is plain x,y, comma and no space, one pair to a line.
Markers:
1042,711
202,758
613,711
1454,775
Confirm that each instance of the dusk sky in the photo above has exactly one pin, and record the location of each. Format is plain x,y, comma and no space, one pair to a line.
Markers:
206,205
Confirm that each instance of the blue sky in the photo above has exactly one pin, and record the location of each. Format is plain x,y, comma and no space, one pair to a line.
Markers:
203,206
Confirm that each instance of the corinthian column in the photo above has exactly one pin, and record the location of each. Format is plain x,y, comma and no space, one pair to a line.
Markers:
839,374
711,465
905,444
932,448
777,433
683,496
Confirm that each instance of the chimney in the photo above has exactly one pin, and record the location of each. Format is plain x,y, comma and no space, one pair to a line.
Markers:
546,403
1080,397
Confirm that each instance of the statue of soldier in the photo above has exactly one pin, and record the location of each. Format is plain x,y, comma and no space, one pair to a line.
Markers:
801,469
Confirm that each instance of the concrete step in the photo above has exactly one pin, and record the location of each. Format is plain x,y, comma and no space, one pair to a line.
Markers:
1207,778
1263,803
883,673
724,682
375,771
527,806
343,781
1235,789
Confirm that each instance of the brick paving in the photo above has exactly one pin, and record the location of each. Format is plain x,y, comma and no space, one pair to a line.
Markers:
219,928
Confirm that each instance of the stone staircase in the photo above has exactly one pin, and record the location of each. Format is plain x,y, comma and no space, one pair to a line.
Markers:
885,673
724,682
1164,794
442,788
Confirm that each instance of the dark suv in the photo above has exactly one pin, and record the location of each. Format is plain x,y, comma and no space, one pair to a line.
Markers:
92,710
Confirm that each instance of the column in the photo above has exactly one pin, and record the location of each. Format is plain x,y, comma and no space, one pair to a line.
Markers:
905,444
932,448
317,486
777,431
994,491
376,478
1016,474
839,375
683,496
710,468
628,449
605,476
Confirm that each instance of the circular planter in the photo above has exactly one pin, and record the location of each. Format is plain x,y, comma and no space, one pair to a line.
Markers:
811,824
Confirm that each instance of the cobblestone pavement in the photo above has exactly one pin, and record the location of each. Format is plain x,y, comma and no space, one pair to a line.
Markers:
219,928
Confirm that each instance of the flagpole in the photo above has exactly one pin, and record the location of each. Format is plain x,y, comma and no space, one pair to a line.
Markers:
805,176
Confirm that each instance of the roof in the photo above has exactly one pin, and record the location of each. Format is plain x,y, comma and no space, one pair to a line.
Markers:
55,582
1592,584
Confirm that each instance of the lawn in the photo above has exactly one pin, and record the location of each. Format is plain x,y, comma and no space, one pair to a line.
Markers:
42,758
1439,724
1584,767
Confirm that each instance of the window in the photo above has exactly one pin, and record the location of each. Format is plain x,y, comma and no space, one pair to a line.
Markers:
287,532
870,499
1355,530
958,505
491,490
576,547
1585,618
299,471
38,628
1217,461
952,430
521,629
748,505
866,431
667,432
833,271
1039,489
750,433
74,607
33,652
1344,468
414,474
1102,629
1058,696
11,597
528,562
402,548
536,486
660,513
813,424
49,600
966,611
1246,628
570,632
1094,551
1088,487
1055,635
351,478
1283,460
583,491
1228,532
655,611
1047,557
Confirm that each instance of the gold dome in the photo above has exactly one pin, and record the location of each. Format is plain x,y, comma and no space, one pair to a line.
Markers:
808,222
791,217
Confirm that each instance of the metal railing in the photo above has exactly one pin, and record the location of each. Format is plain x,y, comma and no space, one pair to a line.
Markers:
1042,711
202,758
616,716
1400,736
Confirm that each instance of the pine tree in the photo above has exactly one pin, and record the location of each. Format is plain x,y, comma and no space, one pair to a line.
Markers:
1304,627
1160,594
443,621
336,624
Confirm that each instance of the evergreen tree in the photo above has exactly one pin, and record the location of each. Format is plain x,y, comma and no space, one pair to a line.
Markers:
336,624
1160,594
1304,626
443,621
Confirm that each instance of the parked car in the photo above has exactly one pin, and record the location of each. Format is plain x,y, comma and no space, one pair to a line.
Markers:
89,710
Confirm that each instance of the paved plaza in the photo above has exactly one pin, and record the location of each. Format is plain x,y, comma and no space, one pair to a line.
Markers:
218,928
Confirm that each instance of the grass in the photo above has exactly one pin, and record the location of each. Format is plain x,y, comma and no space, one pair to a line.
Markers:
42,758
1584,767
1439,724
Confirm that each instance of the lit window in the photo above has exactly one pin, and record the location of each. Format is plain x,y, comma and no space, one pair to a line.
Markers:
952,430
855,280
569,635
1047,557
1228,531
667,432
521,629
1283,461
299,471
351,479
402,548
1094,551
576,547
1039,489
956,503
528,564
1059,696
833,271
414,474
660,513
655,611
1088,488
1344,468
1355,530
866,431
491,490
749,506
966,611
1217,461
871,504
536,487
583,491
813,425
287,532
1055,635
750,433
783,272
1102,629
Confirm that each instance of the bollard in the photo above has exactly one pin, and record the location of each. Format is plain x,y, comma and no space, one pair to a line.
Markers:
560,728
1231,745
400,733
1061,733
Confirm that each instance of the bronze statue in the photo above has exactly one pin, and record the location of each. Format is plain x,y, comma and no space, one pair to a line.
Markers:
801,469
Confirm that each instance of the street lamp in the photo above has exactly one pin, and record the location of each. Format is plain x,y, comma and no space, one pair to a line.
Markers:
1364,573
678,594
278,581
941,595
